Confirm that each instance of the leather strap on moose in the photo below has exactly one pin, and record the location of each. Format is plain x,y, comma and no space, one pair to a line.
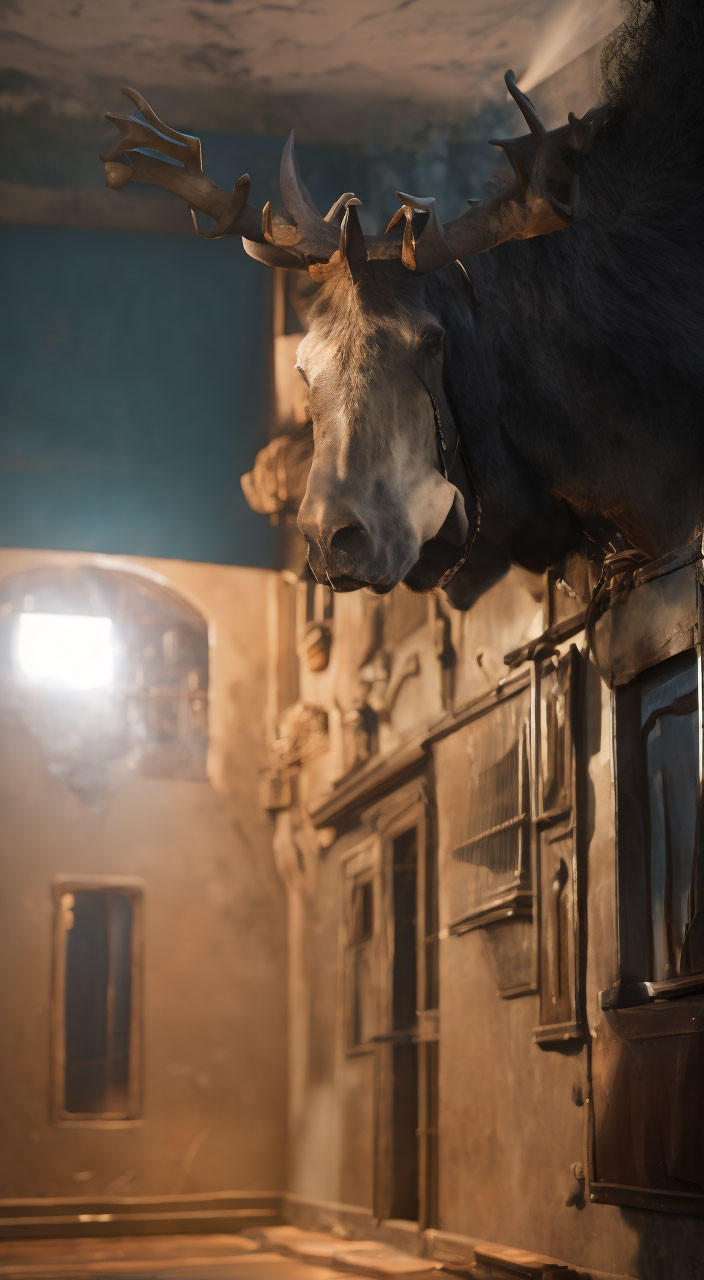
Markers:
451,457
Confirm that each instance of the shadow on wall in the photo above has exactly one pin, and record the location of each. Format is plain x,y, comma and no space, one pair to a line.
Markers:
670,1247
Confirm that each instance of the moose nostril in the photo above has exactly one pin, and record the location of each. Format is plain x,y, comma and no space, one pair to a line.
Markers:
349,539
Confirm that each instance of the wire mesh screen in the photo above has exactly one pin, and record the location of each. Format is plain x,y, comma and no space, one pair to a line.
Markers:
490,859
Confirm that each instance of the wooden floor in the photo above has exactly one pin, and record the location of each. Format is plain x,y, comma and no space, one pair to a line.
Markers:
189,1257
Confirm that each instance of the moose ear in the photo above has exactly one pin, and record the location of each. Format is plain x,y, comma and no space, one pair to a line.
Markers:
431,339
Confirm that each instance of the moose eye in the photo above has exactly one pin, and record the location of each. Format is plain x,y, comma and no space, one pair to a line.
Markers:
431,339
302,372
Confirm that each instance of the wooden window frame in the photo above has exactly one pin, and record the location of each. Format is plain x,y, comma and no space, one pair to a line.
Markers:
676,628
359,865
351,950
134,889
520,916
662,618
514,900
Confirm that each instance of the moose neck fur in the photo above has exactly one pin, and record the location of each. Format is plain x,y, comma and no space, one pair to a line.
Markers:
577,379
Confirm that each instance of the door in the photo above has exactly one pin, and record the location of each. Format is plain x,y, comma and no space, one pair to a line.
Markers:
407,1048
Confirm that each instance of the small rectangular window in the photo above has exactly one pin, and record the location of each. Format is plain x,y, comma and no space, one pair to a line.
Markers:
362,923
97,999
360,976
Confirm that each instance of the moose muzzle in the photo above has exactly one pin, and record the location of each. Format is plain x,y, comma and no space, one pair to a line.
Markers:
374,539
342,549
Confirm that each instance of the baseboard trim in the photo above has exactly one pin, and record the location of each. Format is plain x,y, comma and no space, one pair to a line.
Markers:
228,1212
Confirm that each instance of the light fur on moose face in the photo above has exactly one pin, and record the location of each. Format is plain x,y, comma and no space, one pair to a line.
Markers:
374,493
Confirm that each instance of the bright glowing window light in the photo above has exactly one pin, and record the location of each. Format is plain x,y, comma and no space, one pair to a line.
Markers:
60,649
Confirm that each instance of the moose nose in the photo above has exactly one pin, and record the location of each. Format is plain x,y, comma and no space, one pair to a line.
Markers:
337,529
350,539
340,546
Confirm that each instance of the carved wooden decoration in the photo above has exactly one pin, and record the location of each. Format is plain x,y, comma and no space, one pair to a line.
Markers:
277,481
557,852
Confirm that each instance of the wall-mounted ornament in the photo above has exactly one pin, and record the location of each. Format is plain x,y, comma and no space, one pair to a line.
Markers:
275,789
303,733
360,725
277,482
560,980
317,643
374,678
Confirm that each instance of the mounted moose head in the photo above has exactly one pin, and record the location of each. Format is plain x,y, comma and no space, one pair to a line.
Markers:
469,407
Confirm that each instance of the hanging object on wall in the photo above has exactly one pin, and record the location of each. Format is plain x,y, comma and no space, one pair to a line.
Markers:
277,482
561,1014
316,645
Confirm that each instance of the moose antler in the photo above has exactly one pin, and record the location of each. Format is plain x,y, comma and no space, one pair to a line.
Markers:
128,162
308,238
542,199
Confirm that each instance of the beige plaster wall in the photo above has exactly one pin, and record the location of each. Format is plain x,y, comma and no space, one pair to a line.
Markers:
510,1128
332,1110
214,1112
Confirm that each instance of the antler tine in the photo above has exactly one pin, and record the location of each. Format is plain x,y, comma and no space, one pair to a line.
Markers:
514,147
281,234
316,237
134,134
525,106
152,118
353,249
431,245
336,212
273,255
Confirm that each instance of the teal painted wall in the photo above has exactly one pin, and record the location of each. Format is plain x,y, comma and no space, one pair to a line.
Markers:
134,394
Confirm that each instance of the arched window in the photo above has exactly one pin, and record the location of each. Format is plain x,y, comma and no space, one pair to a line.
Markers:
109,670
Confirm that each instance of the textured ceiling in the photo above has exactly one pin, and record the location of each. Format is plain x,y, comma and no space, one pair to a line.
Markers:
332,67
